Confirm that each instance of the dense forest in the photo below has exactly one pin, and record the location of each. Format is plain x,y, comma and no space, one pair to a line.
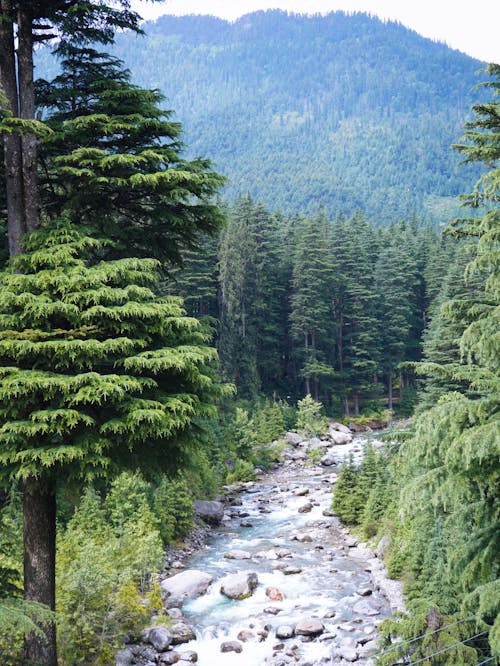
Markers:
342,112
156,340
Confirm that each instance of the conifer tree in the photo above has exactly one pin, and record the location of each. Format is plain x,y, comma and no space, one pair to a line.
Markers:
97,373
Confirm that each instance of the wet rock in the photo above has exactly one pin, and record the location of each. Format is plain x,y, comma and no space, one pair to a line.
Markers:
351,542
245,635
190,656
272,610
328,460
124,657
364,608
239,585
305,508
300,492
347,649
309,626
302,538
289,454
209,511
246,523
285,631
327,637
182,633
290,570
188,584
338,437
143,654
328,512
364,592
347,627
160,638
237,555
330,613
231,646
340,427
169,658
274,594
368,649
175,613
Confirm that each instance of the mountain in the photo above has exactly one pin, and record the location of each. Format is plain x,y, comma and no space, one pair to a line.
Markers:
339,112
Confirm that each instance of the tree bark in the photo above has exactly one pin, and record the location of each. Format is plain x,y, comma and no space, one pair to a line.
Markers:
39,531
29,142
356,403
12,142
390,391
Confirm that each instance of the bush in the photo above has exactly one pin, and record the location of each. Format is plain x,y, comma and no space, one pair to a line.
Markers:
242,471
310,421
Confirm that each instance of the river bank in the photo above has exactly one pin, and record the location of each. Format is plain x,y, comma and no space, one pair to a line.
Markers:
311,593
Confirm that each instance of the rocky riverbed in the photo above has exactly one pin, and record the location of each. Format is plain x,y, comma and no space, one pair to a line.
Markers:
280,581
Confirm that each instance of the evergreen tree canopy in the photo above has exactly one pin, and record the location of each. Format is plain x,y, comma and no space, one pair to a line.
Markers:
97,370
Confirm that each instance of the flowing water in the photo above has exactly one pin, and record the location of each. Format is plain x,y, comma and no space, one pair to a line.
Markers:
327,587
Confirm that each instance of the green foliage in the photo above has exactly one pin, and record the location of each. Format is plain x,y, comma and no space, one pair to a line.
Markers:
243,470
18,619
310,420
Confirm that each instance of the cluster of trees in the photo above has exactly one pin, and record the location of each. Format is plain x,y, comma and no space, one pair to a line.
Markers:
342,111
309,305
435,493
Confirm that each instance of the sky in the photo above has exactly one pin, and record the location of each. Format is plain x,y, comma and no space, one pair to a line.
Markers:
471,26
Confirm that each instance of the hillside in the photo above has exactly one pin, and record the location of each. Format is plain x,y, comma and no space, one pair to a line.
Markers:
340,111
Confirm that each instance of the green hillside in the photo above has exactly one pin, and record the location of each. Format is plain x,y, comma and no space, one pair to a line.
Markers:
339,111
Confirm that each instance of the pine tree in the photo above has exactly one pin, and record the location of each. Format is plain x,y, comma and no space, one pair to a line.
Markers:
97,373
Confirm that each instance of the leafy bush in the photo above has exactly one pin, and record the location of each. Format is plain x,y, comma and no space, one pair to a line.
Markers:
242,471
310,421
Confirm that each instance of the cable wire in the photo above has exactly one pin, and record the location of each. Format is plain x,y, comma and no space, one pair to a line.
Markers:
485,661
396,646
450,647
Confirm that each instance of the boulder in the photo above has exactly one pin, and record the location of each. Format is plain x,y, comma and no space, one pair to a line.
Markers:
340,427
188,584
169,658
239,585
210,512
245,635
340,437
237,555
123,658
309,626
285,631
328,459
160,638
364,608
182,633
293,438
190,656
231,646
364,592
300,492
305,508
290,570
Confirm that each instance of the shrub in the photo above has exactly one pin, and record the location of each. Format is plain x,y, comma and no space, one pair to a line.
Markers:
310,421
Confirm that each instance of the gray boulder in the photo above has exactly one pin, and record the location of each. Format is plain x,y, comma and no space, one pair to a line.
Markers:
294,438
123,658
239,586
237,555
160,638
188,584
210,512
340,437
309,626
182,633
340,427
285,631
231,646
328,459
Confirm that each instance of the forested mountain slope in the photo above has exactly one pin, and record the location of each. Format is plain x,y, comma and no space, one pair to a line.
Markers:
339,111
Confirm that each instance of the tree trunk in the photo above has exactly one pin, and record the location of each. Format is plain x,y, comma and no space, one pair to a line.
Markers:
12,142
29,142
390,391
39,530
346,406
356,403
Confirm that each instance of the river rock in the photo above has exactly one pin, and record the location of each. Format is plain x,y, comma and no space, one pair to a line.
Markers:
364,608
246,523
305,508
272,610
364,592
211,512
175,614
245,635
289,454
237,555
231,646
189,656
367,649
294,438
309,626
124,657
284,631
347,649
182,633
340,427
340,437
169,658
188,584
160,638
239,585
300,492
291,570
274,594
328,512
328,459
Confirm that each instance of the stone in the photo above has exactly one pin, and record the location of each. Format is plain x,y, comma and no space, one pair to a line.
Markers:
231,646
188,584
190,656
210,512
239,585
272,610
285,631
246,523
328,460
305,508
345,626
274,594
300,492
327,637
382,546
182,633
291,570
245,635
364,608
175,613
340,437
160,638
368,648
309,626
330,613
303,538
237,555
340,427
328,513
169,658
124,657
347,649
364,592
294,438
351,542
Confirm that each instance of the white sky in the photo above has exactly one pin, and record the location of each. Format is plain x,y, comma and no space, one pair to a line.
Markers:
471,26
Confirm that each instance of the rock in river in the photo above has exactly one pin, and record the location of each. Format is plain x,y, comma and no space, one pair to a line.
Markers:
239,585
188,584
182,633
309,626
210,511
231,646
160,638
